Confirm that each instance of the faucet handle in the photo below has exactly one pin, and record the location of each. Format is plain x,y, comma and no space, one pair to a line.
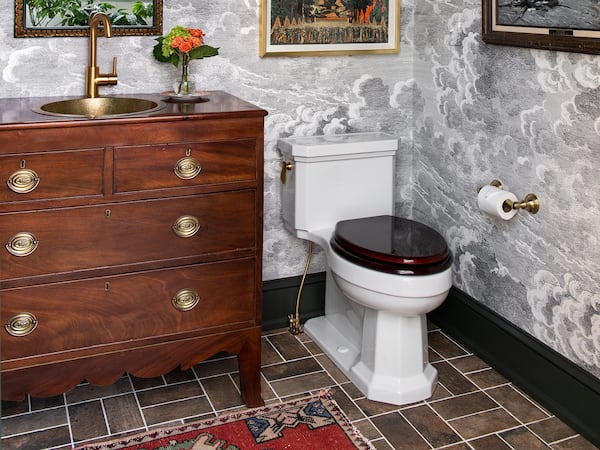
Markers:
114,69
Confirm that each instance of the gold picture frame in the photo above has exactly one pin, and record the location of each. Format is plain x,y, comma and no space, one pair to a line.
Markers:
25,27
327,27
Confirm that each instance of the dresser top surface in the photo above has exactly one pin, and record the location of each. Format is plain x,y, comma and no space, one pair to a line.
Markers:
19,112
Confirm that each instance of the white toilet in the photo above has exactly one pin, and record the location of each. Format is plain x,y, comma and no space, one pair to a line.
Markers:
384,272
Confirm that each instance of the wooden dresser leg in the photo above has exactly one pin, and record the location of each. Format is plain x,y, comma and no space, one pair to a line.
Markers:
249,364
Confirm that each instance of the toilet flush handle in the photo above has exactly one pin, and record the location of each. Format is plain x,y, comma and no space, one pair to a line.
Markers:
285,166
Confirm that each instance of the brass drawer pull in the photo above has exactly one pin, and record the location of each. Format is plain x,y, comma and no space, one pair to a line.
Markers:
21,325
185,300
187,168
22,244
186,226
23,181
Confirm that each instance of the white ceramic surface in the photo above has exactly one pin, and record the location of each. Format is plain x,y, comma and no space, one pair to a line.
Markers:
374,326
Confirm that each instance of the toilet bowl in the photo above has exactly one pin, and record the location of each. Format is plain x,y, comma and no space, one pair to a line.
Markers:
384,272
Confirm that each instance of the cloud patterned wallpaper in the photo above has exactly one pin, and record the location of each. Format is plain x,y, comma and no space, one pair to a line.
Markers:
464,112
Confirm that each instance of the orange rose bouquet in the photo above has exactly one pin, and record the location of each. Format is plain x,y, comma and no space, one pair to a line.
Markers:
182,45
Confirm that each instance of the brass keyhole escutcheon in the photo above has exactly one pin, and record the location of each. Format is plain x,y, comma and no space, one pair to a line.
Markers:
187,168
185,300
21,324
23,181
186,226
22,244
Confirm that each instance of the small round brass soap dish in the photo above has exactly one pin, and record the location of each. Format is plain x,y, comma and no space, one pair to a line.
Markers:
196,97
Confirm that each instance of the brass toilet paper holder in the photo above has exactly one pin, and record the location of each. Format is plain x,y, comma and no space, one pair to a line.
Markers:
530,203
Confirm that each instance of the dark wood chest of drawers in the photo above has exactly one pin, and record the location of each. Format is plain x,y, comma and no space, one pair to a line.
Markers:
130,245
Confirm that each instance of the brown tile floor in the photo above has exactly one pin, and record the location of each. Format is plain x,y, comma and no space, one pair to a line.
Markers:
473,406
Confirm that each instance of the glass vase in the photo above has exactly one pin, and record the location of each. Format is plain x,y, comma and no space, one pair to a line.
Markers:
183,86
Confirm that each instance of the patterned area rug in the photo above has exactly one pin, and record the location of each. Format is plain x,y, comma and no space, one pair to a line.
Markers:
309,423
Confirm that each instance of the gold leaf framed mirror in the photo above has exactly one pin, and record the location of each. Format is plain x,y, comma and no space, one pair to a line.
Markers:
52,18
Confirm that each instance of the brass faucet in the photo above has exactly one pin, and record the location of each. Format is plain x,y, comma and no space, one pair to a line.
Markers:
93,77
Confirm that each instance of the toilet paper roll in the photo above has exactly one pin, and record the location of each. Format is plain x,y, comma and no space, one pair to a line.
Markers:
491,201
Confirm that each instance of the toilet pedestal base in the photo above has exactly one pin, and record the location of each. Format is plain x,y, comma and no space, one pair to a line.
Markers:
391,365
341,350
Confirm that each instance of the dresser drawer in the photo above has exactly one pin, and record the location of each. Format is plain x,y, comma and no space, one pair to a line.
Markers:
54,175
140,168
79,238
93,312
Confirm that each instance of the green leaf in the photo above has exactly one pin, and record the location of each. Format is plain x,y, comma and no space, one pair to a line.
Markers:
204,51
158,54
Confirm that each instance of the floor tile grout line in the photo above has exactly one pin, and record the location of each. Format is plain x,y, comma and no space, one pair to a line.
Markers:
235,385
106,420
504,430
525,423
23,414
384,438
285,361
523,396
537,435
25,433
477,413
291,377
276,350
170,402
506,442
452,396
137,402
68,417
559,441
412,425
462,438
455,342
519,421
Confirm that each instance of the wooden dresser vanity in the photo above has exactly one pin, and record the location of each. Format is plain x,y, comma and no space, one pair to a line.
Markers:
130,244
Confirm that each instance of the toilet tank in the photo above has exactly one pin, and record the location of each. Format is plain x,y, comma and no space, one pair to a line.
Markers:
338,177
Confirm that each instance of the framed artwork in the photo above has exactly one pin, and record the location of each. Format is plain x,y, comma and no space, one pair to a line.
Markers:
329,27
563,25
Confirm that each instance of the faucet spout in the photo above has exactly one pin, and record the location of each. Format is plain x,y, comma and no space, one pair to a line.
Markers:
93,77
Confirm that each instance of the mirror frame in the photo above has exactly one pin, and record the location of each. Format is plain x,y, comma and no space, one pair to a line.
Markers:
21,30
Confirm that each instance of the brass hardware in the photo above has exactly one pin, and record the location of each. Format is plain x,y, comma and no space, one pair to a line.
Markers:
23,181
495,183
186,226
530,203
107,213
294,320
107,286
22,164
22,244
98,107
93,77
185,300
285,166
21,324
188,151
187,168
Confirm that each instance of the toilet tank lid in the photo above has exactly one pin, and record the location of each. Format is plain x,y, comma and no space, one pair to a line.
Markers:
338,144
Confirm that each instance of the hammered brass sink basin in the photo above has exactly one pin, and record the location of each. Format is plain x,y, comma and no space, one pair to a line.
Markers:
99,107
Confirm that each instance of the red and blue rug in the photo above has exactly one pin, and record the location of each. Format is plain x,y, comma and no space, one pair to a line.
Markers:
309,423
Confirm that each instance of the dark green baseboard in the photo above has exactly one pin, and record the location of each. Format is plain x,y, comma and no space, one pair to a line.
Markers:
565,389
279,300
